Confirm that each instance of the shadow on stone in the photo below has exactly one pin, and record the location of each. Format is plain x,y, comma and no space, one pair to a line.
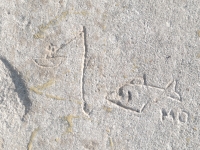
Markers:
20,86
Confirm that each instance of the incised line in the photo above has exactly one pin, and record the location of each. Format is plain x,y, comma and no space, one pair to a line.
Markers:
123,106
33,135
85,47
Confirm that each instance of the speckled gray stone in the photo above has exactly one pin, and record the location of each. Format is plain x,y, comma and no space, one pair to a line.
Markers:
99,75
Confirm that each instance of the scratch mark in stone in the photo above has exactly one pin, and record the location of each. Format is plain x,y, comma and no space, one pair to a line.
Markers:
54,97
198,55
44,27
107,109
42,87
144,106
20,86
34,89
198,33
85,47
57,20
111,143
33,135
169,84
70,122
46,85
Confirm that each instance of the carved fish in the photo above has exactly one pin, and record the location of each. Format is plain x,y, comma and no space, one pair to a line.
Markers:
136,95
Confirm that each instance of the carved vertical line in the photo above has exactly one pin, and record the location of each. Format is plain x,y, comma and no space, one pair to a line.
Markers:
85,51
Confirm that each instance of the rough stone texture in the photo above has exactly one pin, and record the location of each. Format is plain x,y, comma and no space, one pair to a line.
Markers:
101,75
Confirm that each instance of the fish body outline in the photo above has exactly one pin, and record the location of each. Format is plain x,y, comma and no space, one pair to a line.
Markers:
137,95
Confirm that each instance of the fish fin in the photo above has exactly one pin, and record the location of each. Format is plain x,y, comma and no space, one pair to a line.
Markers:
171,91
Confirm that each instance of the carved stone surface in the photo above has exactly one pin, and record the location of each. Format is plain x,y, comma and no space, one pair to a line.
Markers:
99,75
